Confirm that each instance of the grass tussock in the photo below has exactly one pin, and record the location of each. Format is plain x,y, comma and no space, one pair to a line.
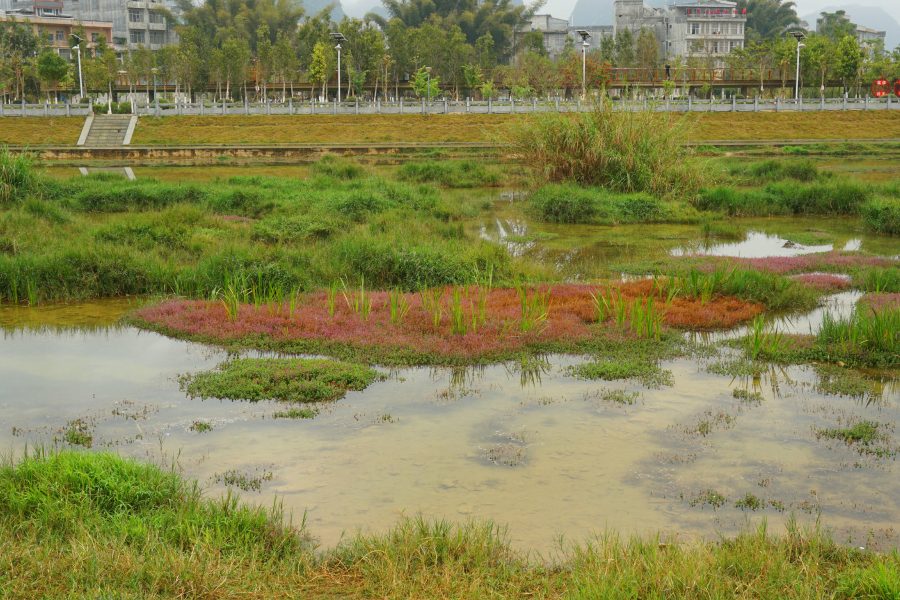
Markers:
77,524
881,215
569,203
767,171
624,151
288,380
451,174
18,177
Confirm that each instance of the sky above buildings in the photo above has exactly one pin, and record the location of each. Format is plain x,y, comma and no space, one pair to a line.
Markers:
563,8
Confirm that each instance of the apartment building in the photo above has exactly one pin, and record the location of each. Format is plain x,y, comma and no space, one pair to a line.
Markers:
557,31
51,23
705,30
134,21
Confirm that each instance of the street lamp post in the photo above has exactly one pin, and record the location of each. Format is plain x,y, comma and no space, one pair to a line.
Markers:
338,37
154,70
584,46
800,36
428,87
80,78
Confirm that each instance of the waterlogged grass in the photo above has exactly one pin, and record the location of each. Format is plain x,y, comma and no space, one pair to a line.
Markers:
452,174
650,375
835,196
107,236
810,237
287,380
569,203
82,524
756,172
881,215
473,324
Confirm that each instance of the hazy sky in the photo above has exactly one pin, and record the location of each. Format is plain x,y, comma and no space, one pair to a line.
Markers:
563,8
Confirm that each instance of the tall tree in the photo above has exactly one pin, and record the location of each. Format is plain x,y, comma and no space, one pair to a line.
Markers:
767,18
51,68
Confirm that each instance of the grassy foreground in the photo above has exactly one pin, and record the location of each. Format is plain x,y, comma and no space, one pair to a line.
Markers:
95,525
344,129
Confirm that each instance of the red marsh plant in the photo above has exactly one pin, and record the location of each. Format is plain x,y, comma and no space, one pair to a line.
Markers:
824,282
442,326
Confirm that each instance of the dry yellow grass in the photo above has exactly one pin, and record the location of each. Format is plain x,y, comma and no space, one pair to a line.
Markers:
362,129
40,131
316,129
810,125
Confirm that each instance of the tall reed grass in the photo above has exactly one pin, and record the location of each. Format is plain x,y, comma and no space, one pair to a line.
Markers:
18,175
619,149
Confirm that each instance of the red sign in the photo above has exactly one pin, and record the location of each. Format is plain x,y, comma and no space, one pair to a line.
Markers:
897,88
881,88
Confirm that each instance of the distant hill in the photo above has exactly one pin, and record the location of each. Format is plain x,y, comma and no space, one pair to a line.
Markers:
315,6
869,16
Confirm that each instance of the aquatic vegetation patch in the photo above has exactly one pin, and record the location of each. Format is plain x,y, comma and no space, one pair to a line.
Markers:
200,426
747,396
879,302
248,482
536,236
466,325
836,261
296,413
77,433
284,379
510,454
841,381
650,375
709,420
737,368
727,230
881,215
709,497
827,283
570,203
810,237
867,437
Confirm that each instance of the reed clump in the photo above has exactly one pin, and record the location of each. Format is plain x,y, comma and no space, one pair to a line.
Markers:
622,150
18,176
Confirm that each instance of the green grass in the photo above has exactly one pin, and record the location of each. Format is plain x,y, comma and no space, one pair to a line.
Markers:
627,151
862,432
881,215
810,237
754,173
287,380
648,374
96,525
569,203
836,197
103,236
452,174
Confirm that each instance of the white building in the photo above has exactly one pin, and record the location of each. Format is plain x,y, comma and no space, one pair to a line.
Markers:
707,30
635,15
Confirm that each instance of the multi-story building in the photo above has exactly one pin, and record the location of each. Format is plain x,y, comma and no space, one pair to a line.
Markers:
555,33
863,33
50,22
134,21
635,15
705,30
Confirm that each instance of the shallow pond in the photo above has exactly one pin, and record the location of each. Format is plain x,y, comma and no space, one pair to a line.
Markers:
538,450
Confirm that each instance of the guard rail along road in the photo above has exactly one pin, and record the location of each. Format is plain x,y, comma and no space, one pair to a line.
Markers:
441,107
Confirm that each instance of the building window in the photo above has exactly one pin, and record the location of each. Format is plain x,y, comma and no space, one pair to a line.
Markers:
136,36
60,36
94,37
156,17
695,28
135,15
157,37
65,53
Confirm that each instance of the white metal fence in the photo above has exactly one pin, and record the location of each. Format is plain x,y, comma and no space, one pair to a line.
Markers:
439,107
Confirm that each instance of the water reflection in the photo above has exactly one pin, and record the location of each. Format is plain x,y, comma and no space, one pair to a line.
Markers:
126,172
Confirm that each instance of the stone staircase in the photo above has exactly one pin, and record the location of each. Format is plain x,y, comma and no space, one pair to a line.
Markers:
108,130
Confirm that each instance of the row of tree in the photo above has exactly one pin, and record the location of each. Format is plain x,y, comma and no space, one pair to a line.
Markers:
261,48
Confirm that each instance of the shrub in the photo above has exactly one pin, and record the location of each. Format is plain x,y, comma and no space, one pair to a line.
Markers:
124,108
624,150
881,215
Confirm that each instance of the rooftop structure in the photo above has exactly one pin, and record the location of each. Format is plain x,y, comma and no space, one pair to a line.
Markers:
705,30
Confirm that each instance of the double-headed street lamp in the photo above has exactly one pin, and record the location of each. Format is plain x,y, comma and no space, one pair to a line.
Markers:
800,36
338,37
80,79
584,46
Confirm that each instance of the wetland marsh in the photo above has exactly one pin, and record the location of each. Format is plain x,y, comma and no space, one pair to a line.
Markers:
644,366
